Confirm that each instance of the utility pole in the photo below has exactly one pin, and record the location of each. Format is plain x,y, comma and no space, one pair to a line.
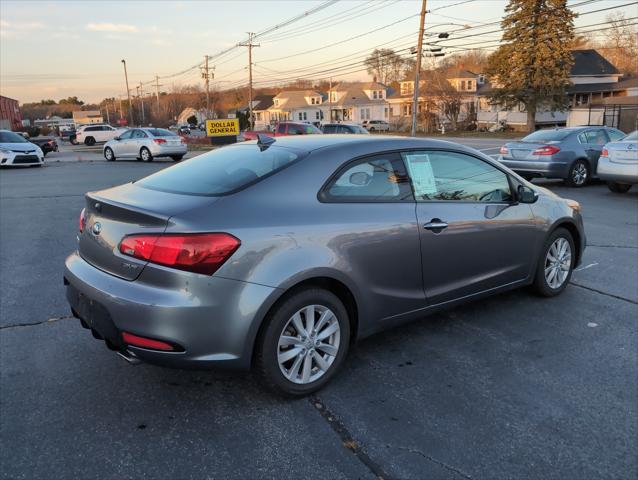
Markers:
250,46
108,120
142,102
415,102
121,116
128,93
206,75
157,85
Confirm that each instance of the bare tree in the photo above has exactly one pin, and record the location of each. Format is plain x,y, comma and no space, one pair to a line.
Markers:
620,43
386,65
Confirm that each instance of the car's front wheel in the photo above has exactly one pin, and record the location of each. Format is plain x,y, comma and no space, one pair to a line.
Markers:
89,141
618,187
556,264
303,343
578,174
145,154
108,154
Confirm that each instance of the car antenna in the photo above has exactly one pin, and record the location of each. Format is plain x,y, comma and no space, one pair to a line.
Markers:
264,141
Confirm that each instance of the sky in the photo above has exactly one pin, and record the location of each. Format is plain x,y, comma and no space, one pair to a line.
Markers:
74,48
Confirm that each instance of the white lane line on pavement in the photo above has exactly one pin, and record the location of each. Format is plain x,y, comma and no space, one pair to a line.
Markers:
586,267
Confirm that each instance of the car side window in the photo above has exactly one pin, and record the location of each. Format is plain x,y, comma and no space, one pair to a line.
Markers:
329,129
455,176
294,130
381,178
595,137
139,134
615,135
126,135
281,128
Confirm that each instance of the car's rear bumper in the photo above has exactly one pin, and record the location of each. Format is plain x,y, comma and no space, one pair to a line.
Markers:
617,172
214,329
548,169
168,150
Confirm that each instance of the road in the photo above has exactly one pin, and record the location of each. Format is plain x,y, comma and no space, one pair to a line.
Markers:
511,387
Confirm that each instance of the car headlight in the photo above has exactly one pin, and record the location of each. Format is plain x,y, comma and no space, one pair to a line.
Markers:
4,152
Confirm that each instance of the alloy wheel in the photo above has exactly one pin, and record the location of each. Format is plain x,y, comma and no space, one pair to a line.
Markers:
558,262
308,344
579,174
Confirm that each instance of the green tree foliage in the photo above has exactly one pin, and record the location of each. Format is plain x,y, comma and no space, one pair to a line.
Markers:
533,64
71,101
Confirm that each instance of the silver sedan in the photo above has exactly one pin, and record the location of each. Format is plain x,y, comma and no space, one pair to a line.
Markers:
618,163
146,144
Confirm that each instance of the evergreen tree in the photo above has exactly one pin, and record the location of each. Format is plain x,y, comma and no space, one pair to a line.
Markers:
532,66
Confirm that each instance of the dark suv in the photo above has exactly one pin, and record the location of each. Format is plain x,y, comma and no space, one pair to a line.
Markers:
344,128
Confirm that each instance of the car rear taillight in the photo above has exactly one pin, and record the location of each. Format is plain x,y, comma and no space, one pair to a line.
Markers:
51,142
199,252
504,150
159,141
604,153
144,342
82,220
546,150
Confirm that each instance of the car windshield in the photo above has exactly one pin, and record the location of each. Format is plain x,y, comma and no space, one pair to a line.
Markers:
221,171
542,136
10,137
160,132
632,137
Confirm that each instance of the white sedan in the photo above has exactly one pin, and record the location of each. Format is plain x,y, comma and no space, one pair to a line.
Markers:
146,144
18,151
618,163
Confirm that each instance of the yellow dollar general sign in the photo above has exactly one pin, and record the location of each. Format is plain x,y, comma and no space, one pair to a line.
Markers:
222,128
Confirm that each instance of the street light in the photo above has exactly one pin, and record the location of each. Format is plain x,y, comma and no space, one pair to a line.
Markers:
128,93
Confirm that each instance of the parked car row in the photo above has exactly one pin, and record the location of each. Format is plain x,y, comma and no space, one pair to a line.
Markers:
576,155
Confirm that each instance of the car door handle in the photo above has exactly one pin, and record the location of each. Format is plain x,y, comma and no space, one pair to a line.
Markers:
436,225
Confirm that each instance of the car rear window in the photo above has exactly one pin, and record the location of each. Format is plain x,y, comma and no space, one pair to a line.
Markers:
221,171
541,136
633,136
160,132
10,137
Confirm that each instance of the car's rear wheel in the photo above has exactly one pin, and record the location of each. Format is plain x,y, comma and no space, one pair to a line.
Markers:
371,129
108,154
303,343
556,264
618,187
89,141
177,158
578,175
145,154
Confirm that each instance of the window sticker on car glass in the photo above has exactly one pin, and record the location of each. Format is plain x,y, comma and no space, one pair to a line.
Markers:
420,170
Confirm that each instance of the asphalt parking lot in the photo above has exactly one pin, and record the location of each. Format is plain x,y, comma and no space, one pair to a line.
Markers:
511,387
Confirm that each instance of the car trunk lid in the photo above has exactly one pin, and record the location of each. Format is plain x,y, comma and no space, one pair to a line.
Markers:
624,152
525,150
125,210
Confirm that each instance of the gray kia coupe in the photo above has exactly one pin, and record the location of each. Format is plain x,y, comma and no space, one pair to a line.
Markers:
278,254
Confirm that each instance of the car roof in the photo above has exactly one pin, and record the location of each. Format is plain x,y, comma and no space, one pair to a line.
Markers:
310,143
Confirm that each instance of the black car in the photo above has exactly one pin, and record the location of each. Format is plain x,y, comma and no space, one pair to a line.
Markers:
46,144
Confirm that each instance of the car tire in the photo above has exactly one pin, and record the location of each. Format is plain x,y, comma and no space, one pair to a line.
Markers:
578,174
108,154
547,284
89,141
618,187
145,155
305,362
177,158
371,129
74,141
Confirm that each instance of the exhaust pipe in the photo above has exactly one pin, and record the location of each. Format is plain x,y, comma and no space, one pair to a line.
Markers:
129,357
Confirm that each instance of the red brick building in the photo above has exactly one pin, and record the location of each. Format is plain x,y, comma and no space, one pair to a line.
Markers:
10,118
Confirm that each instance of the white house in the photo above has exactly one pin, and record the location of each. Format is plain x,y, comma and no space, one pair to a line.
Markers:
357,101
297,105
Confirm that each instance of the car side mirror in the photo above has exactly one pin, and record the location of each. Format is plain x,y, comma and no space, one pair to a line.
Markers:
526,194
